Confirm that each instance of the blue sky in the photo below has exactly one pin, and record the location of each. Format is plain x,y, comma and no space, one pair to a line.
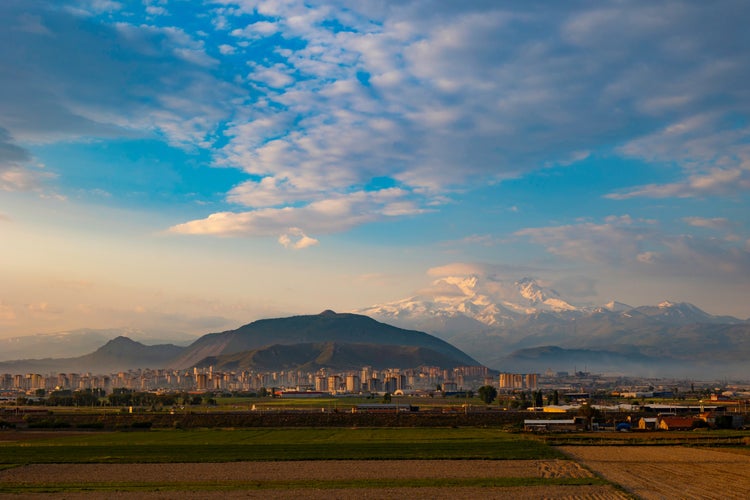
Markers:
192,166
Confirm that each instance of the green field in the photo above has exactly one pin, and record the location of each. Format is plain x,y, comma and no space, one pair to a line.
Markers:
166,446
276,486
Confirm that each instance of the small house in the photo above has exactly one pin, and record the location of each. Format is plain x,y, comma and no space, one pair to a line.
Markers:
673,423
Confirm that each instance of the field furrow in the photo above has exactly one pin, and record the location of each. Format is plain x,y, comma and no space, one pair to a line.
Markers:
295,471
669,472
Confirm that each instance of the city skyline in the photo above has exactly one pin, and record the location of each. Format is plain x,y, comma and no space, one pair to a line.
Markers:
177,166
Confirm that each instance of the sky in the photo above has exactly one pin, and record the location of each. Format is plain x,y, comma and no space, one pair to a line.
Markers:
191,166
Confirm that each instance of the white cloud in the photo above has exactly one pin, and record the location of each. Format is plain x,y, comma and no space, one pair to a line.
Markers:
276,76
330,215
295,238
156,10
456,269
227,49
713,223
256,30
714,182
21,179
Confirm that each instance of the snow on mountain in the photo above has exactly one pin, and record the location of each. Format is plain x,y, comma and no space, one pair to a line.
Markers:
528,296
490,302
615,306
682,313
496,303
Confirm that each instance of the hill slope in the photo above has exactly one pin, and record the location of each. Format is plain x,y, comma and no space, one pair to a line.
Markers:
327,327
332,355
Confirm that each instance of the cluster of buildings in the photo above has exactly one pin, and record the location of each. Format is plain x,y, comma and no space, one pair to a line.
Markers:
363,380
519,381
666,422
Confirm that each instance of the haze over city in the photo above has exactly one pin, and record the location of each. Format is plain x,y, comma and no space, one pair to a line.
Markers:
177,166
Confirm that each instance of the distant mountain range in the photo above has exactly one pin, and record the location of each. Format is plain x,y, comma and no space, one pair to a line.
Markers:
118,354
72,343
326,340
520,326
524,326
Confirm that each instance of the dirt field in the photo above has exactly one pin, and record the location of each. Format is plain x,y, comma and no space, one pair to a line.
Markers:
378,471
656,472
377,493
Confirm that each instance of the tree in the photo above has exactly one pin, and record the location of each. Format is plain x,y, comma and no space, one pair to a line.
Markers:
523,402
590,413
487,393
538,401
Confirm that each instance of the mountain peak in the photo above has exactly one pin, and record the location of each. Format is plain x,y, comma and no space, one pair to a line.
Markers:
327,313
541,298
615,306
122,340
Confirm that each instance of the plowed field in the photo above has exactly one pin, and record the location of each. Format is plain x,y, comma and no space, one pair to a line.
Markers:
306,479
669,472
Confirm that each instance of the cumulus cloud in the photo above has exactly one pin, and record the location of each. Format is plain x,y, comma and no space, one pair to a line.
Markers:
296,239
330,215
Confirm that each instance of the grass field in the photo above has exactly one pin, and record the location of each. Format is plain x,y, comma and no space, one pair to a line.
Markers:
168,446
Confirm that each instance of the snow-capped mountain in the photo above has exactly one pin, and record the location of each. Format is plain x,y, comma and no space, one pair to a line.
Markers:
496,303
490,319
539,298
492,303
447,300
615,306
